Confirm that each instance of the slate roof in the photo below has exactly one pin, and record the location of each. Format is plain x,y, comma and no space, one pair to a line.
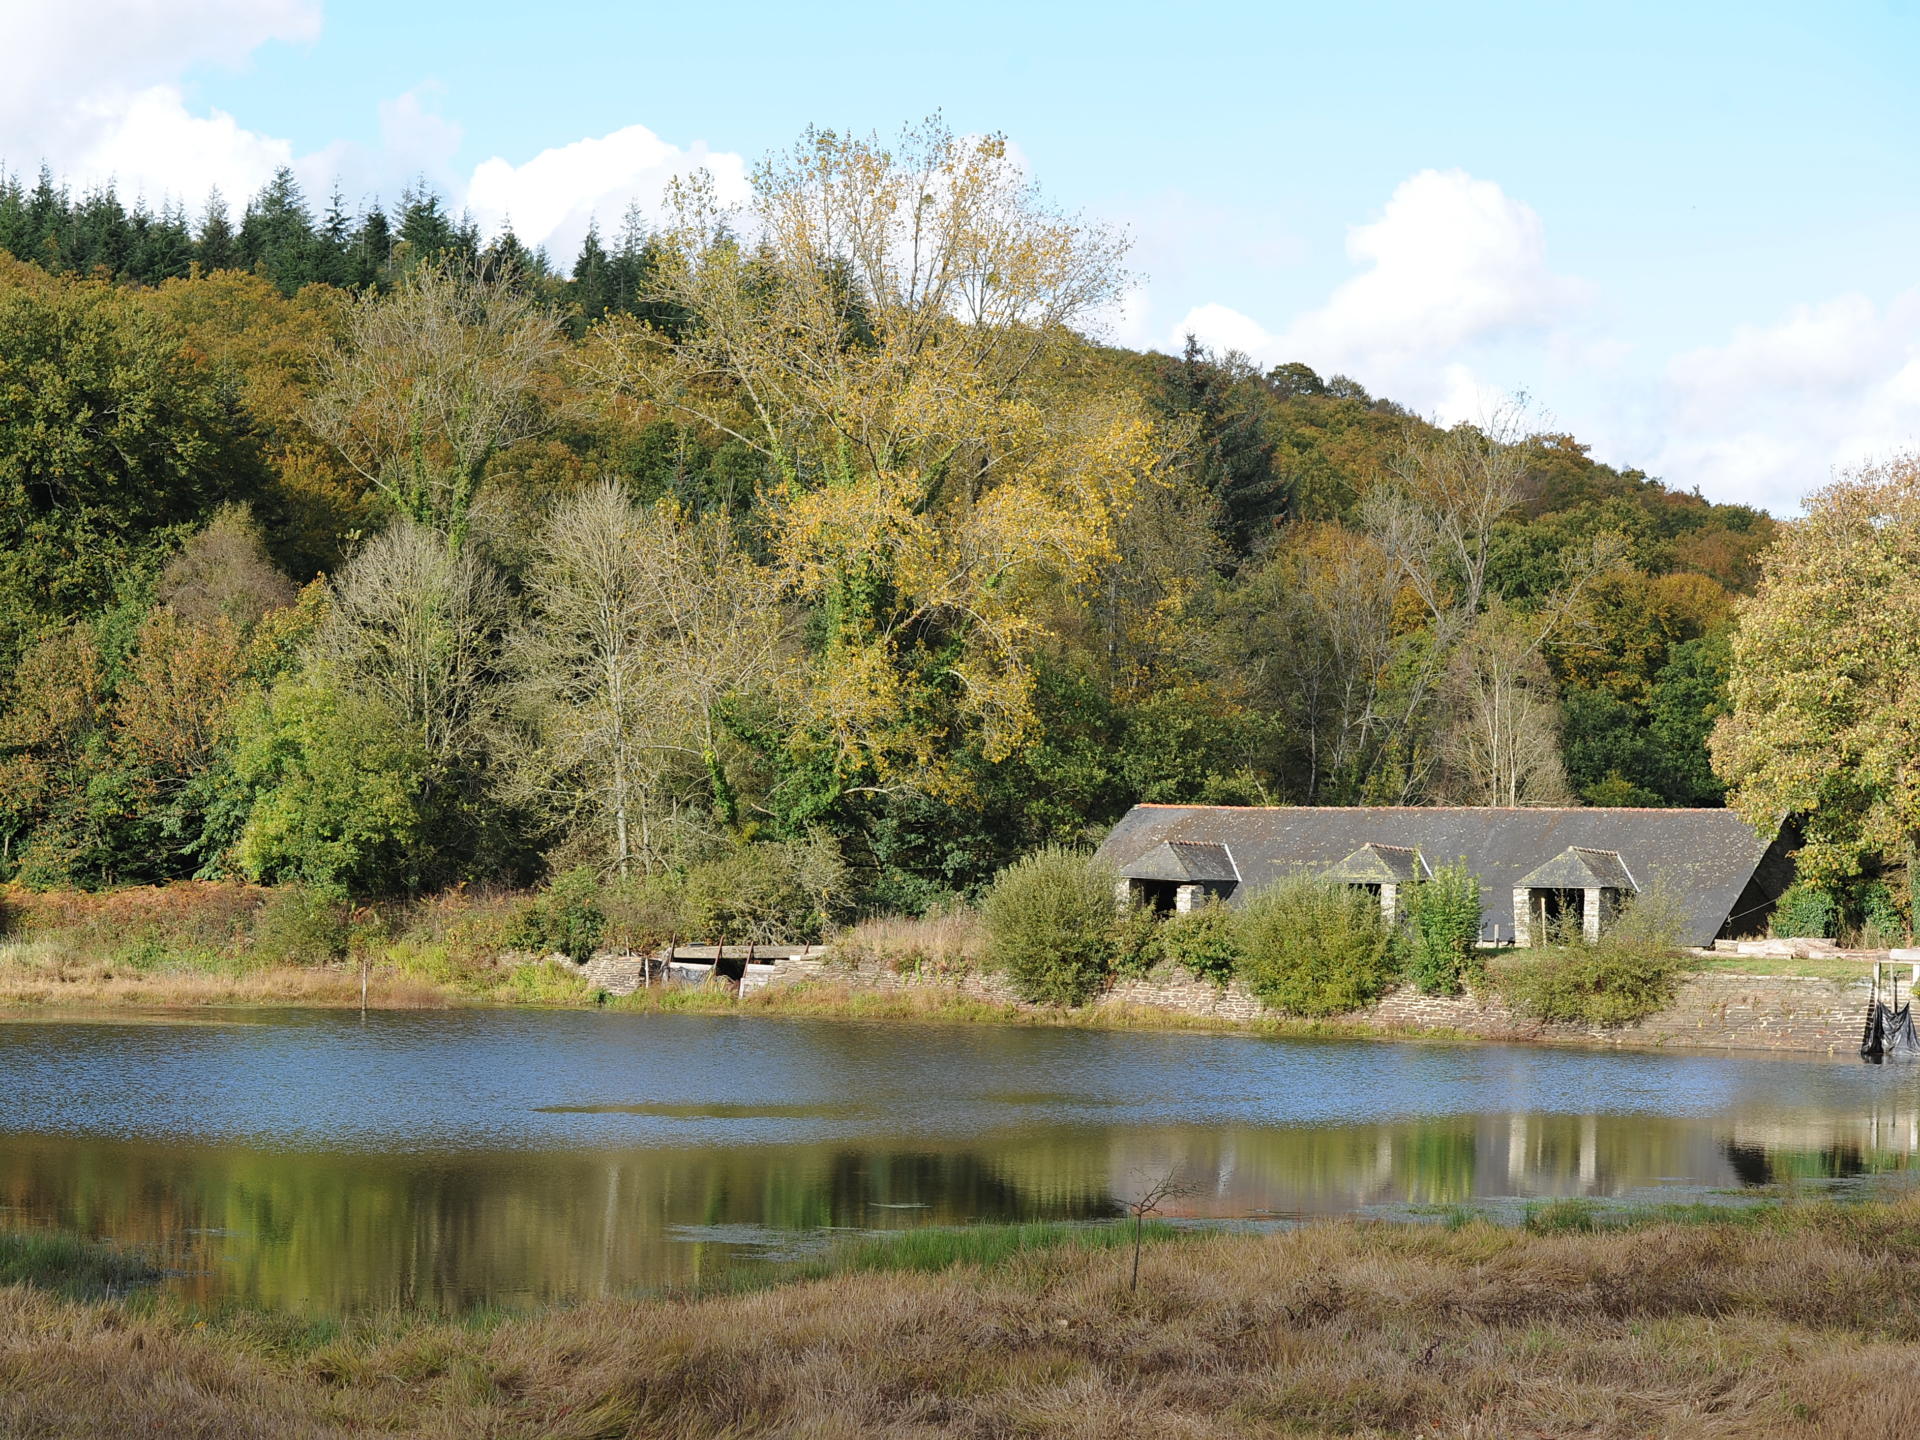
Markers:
1703,858
1185,862
1578,868
1374,864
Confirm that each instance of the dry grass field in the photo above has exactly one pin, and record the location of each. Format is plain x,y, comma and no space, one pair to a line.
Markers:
1795,1323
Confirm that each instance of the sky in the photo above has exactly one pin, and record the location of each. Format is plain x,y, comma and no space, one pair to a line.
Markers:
1685,231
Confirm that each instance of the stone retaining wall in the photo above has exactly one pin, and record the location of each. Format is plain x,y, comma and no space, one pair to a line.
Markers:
1722,1012
1719,1012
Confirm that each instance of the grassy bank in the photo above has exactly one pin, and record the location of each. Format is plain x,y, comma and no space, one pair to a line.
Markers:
1766,1324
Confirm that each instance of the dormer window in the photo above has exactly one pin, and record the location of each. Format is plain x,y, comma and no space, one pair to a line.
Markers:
1381,870
1589,884
1179,875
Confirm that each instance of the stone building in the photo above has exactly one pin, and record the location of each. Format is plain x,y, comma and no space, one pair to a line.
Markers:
1538,868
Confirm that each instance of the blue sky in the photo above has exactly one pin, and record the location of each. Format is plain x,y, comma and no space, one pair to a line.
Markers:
1688,232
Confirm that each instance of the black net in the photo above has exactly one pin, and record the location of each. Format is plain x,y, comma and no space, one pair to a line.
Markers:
1890,1034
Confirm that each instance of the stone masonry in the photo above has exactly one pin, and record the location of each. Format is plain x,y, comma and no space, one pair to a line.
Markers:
1720,1012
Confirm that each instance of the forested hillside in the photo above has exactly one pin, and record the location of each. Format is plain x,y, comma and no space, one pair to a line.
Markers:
365,550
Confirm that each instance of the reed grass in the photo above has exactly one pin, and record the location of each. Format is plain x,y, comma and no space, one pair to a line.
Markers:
1774,1325
69,1265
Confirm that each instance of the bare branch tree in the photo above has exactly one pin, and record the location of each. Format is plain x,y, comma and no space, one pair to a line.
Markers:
643,621
1158,1190
418,627
434,380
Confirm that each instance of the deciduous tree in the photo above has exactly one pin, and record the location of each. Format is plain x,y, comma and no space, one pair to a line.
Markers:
1825,683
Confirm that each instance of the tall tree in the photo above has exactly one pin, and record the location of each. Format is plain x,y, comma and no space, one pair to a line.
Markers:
885,347
436,379
112,435
643,622
1825,681
214,246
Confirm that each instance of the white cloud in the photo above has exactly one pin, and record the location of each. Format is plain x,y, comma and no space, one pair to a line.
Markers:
93,90
1768,416
1451,263
552,197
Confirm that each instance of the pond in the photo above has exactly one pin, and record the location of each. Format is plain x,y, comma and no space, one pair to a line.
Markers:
321,1162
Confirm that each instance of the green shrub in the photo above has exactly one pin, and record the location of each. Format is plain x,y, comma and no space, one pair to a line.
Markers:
1139,941
1881,921
1050,925
763,894
1311,948
1442,916
1629,973
303,925
644,913
1805,910
567,918
1206,942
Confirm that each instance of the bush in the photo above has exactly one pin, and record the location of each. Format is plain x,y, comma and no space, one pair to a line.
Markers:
1311,948
1050,925
1139,941
1805,911
568,918
1205,942
1881,922
763,894
1630,972
1443,931
645,913
303,925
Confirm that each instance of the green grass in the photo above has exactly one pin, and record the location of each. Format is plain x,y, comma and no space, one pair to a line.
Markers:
1786,967
67,1265
933,1249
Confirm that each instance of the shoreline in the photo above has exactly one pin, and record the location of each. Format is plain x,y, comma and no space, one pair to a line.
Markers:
184,993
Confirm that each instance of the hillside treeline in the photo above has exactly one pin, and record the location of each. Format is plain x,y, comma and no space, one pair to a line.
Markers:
361,550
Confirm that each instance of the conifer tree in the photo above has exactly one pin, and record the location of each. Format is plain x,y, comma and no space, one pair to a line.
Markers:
371,250
276,236
214,249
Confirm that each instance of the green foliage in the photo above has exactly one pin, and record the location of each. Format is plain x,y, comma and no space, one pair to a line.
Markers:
768,893
545,984
112,440
1050,925
1633,970
303,925
1206,942
334,787
1442,915
568,918
1881,920
1139,941
1311,948
1804,909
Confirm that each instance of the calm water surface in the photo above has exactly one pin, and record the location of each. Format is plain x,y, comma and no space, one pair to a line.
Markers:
315,1161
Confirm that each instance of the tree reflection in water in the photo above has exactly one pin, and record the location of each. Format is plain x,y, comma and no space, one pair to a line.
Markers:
326,1232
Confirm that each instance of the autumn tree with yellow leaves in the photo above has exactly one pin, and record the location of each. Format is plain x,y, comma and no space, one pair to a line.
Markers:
889,326
1825,689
